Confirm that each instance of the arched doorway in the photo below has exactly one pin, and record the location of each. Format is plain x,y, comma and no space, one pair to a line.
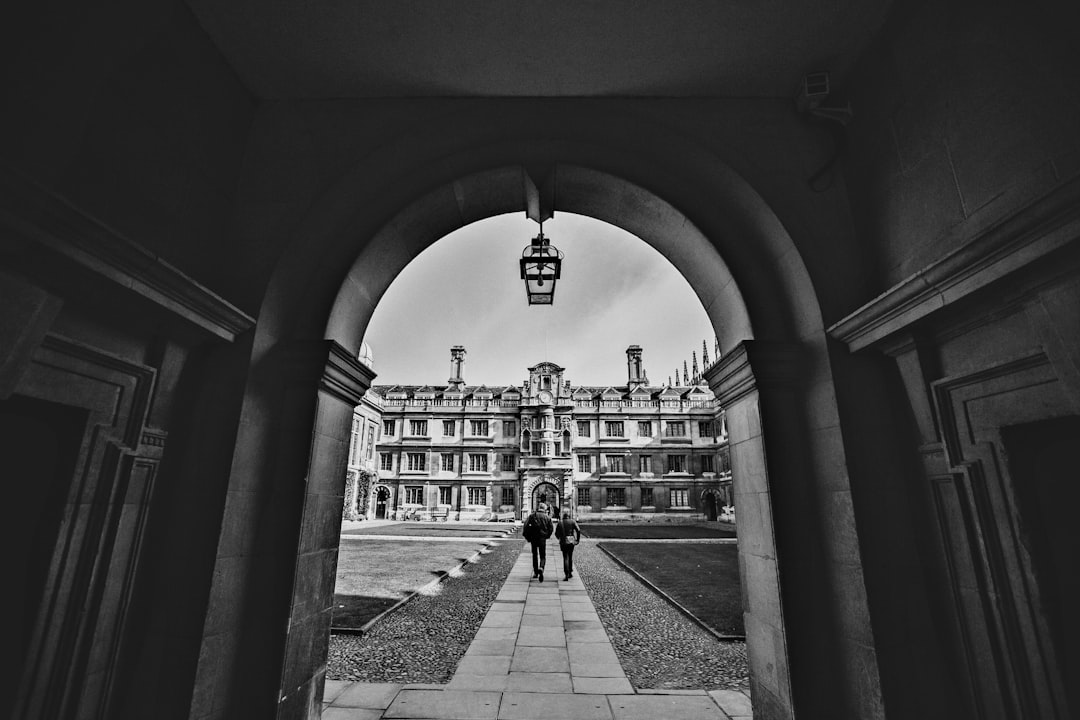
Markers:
382,501
710,506
548,493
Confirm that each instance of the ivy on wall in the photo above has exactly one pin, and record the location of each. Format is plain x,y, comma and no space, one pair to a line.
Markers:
357,487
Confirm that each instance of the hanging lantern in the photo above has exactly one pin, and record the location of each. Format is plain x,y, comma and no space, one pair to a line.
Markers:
541,264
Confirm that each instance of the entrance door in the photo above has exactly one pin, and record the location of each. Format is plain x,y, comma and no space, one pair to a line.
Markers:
547,493
710,506
381,498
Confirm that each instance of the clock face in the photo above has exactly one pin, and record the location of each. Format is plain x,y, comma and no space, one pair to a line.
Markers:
544,396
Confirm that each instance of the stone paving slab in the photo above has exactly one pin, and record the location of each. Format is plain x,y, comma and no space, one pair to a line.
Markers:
651,707
367,695
542,636
530,706
733,702
491,647
540,659
603,686
444,705
597,635
347,713
333,688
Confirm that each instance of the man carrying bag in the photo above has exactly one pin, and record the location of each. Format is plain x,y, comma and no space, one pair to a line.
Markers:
537,530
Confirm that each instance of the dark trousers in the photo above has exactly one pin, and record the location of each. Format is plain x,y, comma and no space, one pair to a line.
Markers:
539,550
567,559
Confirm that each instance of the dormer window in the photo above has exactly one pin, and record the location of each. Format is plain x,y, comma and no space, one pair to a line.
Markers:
545,382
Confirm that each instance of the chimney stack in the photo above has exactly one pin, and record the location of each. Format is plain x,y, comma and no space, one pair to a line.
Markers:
635,373
457,365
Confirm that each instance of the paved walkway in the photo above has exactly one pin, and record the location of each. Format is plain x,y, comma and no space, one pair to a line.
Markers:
540,653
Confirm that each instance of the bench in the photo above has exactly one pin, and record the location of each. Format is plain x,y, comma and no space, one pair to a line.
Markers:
503,517
442,513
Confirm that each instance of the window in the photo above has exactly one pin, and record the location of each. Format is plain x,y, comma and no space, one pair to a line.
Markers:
583,496
387,427
584,428
417,461
545,382
616,496
478,427
705,428
707,463
676,428
584,463
509,428
354,443
646,497
725,461
447,462
537,448
478,462
477,496
679,498
448,428
446,494
565,449
676,463
508,496
644,428
418,427
414,495
646,463
613,428
509,463
386,461
370,450
615,463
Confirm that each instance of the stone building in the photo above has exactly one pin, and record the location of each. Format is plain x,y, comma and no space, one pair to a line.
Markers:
201,205
466,452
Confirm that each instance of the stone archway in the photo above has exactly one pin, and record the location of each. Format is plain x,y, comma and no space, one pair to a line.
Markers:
381,502
737,256
712,500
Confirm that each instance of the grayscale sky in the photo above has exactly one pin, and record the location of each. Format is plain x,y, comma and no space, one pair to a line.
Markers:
615,291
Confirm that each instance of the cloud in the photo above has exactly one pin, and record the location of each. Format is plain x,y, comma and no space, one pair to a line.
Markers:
465,290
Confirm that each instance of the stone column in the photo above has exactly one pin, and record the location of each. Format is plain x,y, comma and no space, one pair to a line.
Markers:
739,381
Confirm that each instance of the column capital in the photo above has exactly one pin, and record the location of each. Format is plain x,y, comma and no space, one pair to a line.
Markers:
753,364
333,367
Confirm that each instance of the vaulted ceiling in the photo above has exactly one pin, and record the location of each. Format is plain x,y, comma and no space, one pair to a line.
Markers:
547,48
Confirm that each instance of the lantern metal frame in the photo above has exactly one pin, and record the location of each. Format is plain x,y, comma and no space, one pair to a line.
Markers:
541,262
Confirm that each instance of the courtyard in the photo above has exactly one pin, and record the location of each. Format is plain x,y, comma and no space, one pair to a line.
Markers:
478,637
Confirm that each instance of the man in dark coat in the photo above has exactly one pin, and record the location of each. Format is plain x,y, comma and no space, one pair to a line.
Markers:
537,530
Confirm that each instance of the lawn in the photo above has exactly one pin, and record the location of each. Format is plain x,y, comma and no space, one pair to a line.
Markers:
373,574
702,577
657,531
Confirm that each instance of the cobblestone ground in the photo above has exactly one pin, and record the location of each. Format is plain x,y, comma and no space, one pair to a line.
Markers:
659,648
423,641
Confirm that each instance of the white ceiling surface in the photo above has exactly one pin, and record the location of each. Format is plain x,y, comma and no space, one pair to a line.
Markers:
547,48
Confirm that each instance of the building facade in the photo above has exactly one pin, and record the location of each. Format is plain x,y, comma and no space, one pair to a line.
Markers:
467,452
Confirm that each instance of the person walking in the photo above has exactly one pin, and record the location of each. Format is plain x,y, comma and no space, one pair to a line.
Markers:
569,534
537,530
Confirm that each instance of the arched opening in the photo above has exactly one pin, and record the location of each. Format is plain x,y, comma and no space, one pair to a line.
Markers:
382,502
743,267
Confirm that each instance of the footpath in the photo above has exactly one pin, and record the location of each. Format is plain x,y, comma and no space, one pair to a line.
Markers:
540,654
